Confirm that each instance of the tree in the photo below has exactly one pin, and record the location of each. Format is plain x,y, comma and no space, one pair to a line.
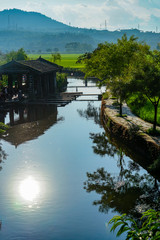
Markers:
77,47
146,79
2,58
110,63
16,55
158,46
48,50
55,57
56,50
61,81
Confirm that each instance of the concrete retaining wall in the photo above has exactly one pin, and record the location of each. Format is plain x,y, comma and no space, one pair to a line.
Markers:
145,147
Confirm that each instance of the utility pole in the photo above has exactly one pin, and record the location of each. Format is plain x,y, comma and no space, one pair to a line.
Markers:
105,25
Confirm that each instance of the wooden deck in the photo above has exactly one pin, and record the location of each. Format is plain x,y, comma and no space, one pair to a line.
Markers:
60,100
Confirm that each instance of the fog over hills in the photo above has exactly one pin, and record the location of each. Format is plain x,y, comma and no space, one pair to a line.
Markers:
36,32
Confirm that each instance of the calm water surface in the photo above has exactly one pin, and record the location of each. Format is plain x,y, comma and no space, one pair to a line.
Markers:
42,191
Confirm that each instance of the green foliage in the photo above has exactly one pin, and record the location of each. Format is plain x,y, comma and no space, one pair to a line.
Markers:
16,55
142,107
145,78
105,95
3,127
3,81
61,81
2,58
149,227
158,46
156,165
111,64
55,57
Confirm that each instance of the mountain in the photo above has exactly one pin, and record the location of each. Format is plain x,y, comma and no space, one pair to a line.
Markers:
37,33
15,19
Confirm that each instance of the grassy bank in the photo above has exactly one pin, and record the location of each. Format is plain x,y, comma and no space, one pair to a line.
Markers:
67,60
143,108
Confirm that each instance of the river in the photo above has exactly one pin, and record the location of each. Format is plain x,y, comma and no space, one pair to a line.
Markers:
61,179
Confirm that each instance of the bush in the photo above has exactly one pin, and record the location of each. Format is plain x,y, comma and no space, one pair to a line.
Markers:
3,128
149,228
61,81
155,166
105,95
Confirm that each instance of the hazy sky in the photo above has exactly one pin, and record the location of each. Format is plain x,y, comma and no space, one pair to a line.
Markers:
117,14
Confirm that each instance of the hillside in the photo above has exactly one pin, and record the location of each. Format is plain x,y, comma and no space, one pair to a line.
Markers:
15,19
37,33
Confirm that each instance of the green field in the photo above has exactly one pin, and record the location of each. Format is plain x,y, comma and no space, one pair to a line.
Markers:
67,60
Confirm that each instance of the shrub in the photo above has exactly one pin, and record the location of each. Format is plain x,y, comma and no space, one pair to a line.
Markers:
3,127
61,81
149,228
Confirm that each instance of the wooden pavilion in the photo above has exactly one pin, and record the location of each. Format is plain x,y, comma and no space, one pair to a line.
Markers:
35,78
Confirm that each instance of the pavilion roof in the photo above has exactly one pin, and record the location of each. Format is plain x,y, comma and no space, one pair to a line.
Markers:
40,66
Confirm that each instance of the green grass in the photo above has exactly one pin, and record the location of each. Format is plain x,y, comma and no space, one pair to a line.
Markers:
143,108
67,60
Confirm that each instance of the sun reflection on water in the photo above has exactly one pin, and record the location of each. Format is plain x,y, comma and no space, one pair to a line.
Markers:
29,189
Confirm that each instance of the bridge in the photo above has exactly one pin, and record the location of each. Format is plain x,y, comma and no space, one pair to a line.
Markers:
81,86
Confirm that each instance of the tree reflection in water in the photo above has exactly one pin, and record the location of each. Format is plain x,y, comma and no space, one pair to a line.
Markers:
3,156
91,113
129,192
102,145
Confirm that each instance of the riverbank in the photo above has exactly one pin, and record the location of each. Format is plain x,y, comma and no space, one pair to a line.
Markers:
131,131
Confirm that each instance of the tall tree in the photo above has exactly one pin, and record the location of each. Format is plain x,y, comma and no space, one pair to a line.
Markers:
146,79
110,63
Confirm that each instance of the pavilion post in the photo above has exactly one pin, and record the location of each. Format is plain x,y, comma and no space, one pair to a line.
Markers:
39,87
11,117
10,85
54,82
31,87
19,77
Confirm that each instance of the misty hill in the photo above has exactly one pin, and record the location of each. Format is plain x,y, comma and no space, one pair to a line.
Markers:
15,19
37,33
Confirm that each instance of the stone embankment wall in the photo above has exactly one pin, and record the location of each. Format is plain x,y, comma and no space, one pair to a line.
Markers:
129,134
